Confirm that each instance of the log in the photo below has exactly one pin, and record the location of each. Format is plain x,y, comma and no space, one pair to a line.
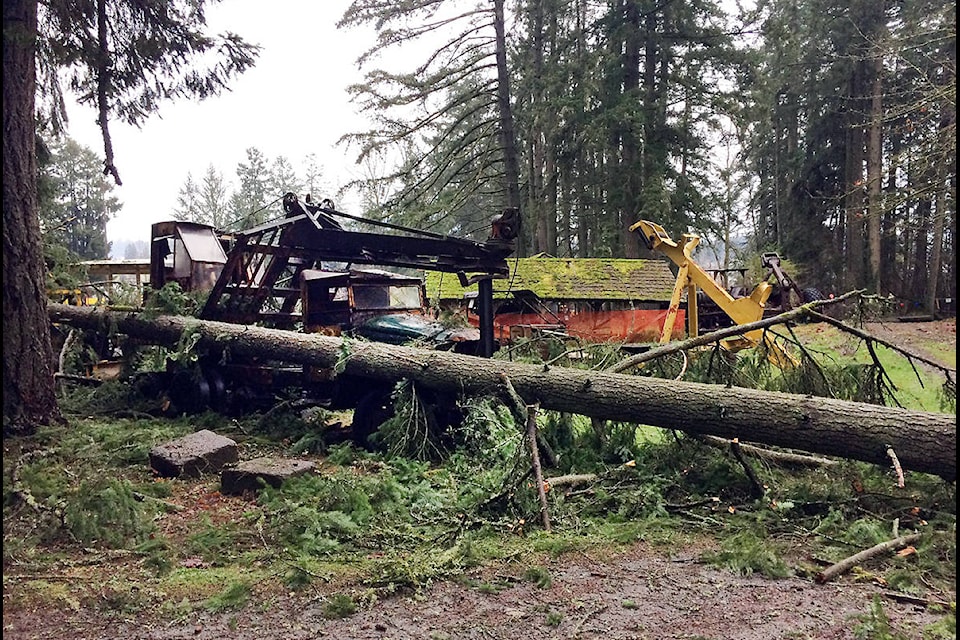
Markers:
924,441
846,564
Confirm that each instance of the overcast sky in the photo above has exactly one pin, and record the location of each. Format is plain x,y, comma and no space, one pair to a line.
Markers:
292,103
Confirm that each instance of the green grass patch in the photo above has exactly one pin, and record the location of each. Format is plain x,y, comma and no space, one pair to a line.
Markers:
913,386
234,596
339,605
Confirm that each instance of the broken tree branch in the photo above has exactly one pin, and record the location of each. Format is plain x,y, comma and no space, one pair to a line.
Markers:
518,407
769,454
896,466
757,486
537,470
863,335
727,332
67,345
846,564
571,479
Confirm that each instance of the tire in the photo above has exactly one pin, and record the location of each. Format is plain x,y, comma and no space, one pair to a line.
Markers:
218,390
373,409
812,293
189,392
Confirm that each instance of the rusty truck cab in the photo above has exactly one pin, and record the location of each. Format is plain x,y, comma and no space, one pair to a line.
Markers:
188,253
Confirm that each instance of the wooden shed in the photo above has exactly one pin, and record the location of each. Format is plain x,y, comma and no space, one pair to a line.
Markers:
597,299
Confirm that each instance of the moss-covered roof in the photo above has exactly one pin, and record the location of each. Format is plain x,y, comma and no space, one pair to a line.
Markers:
570,279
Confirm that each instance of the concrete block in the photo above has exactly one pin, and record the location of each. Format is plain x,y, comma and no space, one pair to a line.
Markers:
247,475
193,455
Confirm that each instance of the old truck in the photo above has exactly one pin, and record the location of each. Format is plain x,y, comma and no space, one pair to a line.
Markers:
301,273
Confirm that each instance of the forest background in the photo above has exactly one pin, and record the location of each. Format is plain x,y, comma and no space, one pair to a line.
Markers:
824,131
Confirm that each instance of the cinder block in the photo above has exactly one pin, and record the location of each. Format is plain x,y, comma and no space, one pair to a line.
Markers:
193,455
247,475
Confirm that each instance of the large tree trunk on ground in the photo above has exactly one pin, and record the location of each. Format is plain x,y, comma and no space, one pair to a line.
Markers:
923,441
29,394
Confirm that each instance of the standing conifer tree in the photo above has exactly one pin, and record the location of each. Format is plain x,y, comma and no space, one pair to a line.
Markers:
122,58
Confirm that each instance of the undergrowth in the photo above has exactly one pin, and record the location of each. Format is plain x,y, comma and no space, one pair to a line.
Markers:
404,517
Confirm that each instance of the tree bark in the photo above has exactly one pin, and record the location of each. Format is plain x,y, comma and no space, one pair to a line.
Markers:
29,391
947,123
925,442
508,137
874,174
853,201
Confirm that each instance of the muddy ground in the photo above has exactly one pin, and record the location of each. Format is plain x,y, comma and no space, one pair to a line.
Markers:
637,592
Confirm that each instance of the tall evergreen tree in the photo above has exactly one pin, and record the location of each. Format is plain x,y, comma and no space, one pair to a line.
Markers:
248,204
122,58
282,178
465,167
858,97
188,201
213,199
313,181
81,201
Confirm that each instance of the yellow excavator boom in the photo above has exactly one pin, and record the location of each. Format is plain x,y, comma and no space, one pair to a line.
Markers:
691,276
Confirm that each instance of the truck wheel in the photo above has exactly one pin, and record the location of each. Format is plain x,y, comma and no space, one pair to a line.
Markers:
218,389
812,293
373,409
188,392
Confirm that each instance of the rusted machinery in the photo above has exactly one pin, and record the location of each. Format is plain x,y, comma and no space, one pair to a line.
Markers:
299,273
692,277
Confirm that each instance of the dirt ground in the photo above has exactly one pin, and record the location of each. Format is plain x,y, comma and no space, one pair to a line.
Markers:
637,593
919,337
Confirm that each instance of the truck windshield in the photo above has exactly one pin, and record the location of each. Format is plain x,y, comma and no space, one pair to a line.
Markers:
382,296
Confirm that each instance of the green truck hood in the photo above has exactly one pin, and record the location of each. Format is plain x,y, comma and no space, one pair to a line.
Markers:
398,328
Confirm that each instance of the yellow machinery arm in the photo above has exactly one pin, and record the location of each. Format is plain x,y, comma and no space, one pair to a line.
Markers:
691,275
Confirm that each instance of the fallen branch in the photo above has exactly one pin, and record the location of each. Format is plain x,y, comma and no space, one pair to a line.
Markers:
896,466
713,500
846,564
726,332
537,470
584,478
755,483
85,380
67,345
574,478
166,504
907,598
863,335
519,410
769,454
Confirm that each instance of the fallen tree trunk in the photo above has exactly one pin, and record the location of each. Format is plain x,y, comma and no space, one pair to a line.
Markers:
923,441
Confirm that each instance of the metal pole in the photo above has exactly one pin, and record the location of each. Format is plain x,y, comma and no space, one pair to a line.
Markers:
485,311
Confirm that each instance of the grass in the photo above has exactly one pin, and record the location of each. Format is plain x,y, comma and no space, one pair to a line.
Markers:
339,605
234,596
918,389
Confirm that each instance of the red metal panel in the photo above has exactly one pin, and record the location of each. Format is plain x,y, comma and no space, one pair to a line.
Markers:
632,325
